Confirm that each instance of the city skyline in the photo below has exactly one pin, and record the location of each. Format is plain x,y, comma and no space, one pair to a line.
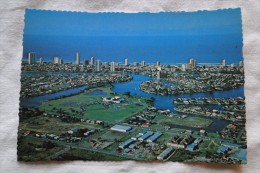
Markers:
58,60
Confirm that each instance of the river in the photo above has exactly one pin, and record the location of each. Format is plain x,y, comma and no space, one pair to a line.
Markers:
36,101
161,101
165,101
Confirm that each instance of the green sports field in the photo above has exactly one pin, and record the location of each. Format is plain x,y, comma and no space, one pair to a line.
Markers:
91,106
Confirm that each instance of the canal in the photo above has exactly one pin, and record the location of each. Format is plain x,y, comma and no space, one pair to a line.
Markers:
161,101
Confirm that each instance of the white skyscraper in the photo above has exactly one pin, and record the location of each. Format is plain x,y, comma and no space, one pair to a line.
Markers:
183,67
56,60
159,69
92,60
77,59
31,58
98,65
223,62
192,63
41,60
158,63
60,61
112,66
143,63
126,61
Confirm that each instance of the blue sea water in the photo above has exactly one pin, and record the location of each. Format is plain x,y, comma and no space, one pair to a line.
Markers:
167,50
171,37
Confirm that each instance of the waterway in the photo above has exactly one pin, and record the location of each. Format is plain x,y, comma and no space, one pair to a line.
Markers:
36,101
161,101
165,101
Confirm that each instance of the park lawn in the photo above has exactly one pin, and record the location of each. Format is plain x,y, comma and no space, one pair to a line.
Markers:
74,101
189,121
94,110
113,115
95,107
69,102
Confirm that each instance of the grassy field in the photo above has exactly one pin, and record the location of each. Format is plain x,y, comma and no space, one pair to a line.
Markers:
189,121
51,125
181,155
91,107
164,138
79,154
27,150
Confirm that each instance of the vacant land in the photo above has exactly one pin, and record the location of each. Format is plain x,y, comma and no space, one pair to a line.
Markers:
56,126
188,121
35,149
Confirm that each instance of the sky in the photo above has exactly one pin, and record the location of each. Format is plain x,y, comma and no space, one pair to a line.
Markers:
172,37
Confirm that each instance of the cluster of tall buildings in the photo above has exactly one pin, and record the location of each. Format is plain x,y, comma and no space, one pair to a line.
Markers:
57,60
97,64
192,63
223,63
31,59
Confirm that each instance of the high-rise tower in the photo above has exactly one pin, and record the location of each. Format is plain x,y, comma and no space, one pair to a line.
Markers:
31,58
223,62
112,66
98,65
92,60
56,60
126,61
77,59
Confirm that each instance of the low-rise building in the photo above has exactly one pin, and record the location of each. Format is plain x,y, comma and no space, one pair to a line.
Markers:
238,155
136,137
154,137
192,147
121,128
145,136
126,143
222,150
180,142
231,145
166,153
